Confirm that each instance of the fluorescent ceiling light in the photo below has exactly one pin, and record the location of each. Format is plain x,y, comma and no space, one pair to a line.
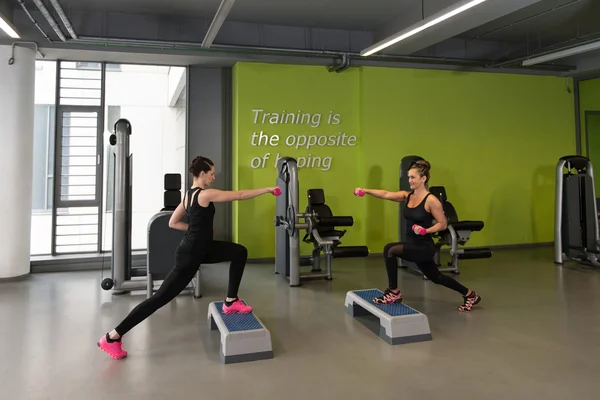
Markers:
421,27
562,54
6,27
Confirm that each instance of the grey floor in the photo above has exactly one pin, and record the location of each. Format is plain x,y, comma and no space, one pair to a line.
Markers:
536,335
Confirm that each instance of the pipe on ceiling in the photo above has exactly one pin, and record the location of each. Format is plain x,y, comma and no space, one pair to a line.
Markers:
40,5
11,60
24,7
343,65
257,50
216,48
64,18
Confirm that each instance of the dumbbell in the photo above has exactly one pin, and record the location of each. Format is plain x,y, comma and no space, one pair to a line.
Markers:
421,232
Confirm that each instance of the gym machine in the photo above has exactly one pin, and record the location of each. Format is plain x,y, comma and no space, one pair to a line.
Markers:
318,222
121,267
576,234
457,233
162,240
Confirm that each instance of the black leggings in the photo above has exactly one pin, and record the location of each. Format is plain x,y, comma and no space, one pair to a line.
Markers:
186,266
422,255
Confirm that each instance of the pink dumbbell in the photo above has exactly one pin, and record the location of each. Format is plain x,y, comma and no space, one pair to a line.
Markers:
277,192
422,231
359,192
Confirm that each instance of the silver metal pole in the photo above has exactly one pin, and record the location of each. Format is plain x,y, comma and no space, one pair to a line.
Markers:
121,251
295,238
558,210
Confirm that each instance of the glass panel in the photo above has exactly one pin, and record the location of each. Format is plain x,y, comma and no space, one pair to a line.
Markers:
149,97
77,229
79,102
43,157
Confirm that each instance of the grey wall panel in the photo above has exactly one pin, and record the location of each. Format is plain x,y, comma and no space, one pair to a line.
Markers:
210,133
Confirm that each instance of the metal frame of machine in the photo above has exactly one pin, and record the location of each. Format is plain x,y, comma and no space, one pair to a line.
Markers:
287,220
576,231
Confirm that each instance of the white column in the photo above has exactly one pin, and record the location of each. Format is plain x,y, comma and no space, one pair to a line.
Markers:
17,93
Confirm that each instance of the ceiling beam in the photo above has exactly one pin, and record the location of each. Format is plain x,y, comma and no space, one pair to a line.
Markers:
217,22
449,22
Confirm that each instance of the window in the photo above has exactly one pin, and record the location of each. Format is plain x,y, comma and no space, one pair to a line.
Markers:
152,98
43,157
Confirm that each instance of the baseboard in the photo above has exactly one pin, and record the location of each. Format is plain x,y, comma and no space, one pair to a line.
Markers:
81,263
508,246
97,262
267,260
15,278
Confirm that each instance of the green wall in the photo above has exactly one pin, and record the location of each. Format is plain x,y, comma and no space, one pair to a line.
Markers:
589,100
493,141
298,90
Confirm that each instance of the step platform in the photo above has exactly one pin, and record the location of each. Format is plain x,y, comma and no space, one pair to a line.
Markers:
398,323
243,336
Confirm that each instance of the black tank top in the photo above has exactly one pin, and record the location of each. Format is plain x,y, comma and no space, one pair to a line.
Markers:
200,223
417,215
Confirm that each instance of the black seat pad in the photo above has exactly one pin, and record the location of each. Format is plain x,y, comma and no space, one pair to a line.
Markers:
472,226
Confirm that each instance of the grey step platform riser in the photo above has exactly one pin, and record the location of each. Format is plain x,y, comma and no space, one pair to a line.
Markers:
243,336
394,323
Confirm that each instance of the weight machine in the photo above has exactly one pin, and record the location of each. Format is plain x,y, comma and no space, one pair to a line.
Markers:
162,240
318,222
576,234
121,266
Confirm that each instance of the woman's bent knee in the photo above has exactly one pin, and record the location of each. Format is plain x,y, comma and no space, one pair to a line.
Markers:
241,252
387,248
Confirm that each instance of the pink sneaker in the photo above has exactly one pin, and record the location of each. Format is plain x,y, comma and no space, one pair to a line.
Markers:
389,297
236,308
114,349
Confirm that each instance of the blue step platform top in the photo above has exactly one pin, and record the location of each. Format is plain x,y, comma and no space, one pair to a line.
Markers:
238,322
394,310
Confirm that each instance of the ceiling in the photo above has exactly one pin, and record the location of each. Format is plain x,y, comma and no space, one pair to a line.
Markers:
495,33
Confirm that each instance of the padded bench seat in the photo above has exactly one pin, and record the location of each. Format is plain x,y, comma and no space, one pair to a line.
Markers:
473,226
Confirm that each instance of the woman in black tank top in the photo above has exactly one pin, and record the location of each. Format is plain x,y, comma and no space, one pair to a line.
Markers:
197,247
420,211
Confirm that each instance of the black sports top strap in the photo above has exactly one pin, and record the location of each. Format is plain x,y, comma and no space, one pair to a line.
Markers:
194,197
